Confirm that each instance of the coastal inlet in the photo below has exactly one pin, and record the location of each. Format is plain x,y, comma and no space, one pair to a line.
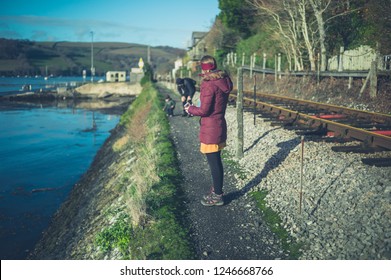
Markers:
45,147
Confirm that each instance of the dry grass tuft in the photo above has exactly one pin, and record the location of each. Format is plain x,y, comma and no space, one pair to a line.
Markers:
144,176
137,129
121,143
142,171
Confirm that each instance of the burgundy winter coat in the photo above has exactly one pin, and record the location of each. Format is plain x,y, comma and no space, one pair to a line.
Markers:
214,91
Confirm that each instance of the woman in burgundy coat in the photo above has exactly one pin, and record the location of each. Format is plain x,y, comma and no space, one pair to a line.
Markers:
215,88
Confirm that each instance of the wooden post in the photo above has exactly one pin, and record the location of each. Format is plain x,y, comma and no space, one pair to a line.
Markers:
340,63
318,72
243,59
365,83
350,82
254,59
275,68
301,174
373,80
255,97
251,65
239,114
279,65
264,65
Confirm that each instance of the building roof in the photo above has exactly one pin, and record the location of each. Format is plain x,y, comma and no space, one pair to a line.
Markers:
198,35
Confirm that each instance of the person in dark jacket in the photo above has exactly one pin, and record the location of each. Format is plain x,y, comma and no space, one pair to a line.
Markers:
186,88
215,88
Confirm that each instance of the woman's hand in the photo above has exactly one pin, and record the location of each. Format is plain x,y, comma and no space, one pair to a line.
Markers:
187,106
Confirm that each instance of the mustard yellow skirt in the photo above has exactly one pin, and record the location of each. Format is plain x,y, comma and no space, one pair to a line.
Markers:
211,148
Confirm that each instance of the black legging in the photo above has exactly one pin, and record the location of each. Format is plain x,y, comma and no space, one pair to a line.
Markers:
216,168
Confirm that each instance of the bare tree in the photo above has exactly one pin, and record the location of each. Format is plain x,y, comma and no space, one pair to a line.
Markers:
215,36
319,7
302,24
295,30
286,25
307,31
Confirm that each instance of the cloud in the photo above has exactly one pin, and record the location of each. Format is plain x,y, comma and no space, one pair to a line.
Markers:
39,28
40,35
77,23
56,22
11,34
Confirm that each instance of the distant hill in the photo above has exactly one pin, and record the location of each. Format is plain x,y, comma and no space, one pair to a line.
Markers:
22,57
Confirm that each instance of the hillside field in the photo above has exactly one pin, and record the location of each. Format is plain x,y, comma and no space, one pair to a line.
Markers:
71,58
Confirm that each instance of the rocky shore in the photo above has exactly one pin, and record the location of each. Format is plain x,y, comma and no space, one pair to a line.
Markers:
103,91
345,212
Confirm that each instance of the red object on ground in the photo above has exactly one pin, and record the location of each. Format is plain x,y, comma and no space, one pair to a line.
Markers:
332,116
330,134
382,132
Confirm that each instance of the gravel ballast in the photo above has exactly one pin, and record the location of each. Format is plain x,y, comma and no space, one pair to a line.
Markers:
346,209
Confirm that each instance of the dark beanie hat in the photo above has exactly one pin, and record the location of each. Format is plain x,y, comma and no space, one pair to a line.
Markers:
179,81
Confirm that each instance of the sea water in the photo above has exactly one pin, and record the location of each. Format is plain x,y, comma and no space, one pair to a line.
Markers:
43,152
12,85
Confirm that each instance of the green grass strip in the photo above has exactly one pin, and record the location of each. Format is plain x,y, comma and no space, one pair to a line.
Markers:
164,235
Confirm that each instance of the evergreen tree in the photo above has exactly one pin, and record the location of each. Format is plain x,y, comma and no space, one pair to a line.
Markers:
238,16
378,19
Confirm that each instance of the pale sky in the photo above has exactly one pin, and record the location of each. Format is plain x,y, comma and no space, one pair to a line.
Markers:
150,22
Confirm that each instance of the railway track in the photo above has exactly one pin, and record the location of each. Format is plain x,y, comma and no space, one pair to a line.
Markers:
372,130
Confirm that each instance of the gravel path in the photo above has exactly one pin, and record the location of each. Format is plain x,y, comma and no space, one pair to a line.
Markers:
233,231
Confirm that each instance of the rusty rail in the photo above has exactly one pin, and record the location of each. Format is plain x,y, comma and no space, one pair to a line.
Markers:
367,137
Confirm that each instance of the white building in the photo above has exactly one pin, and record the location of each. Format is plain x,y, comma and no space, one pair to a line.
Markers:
178,64
116,76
